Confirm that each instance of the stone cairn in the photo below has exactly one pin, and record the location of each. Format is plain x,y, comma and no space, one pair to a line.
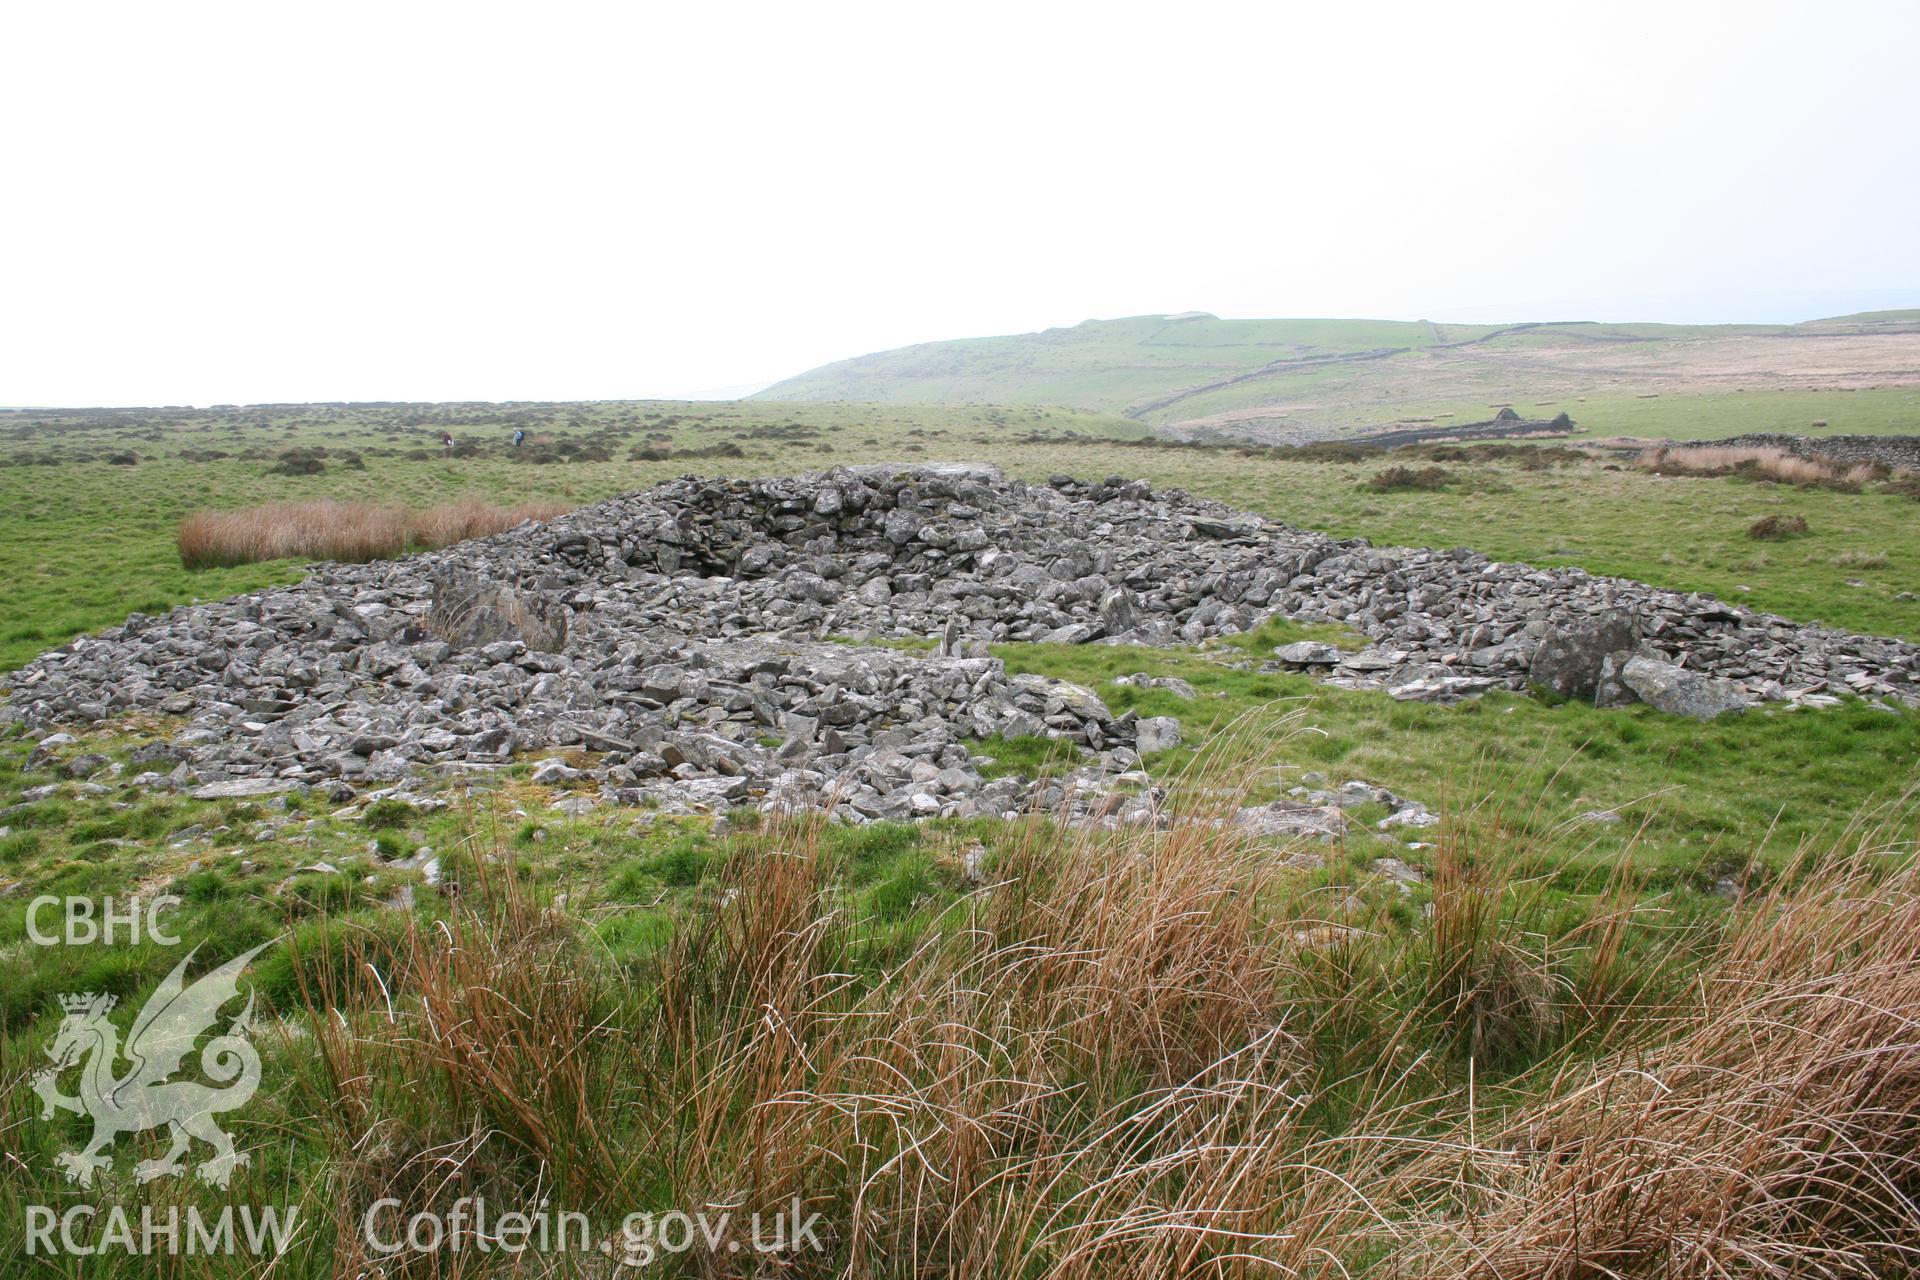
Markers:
691,642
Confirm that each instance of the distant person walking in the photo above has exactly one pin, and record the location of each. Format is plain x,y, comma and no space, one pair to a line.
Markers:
518,437
446,441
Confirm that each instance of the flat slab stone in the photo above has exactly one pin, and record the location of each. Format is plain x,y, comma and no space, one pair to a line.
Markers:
241,788
1285,819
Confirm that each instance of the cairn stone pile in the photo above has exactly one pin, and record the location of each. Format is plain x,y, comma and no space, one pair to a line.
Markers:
689,641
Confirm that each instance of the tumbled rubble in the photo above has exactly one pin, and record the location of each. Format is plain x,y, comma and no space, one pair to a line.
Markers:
683,641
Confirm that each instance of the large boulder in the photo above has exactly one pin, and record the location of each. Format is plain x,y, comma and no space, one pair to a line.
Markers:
1569,657
470,612
1680,692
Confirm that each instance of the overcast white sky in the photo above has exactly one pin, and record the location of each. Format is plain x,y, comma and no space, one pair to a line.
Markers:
254,202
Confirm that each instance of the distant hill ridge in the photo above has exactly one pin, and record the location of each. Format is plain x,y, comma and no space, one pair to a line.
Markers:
1196,372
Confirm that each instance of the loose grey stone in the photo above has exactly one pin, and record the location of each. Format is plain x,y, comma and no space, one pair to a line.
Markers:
1308,653
1285,820
1396,870
1157,733
552,770
242,788
85,766
1680,692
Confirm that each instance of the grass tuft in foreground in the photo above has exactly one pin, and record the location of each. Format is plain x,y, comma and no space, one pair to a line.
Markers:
1079,1052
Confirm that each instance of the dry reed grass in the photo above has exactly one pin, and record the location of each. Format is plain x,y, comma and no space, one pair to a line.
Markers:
1764,462
326,529
1108,1061
1769,1126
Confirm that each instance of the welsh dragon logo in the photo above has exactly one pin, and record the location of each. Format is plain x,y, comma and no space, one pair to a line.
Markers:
143,1097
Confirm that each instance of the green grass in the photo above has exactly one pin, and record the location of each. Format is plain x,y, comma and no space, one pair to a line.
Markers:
1696,801
1718,415
1685,534
1026,756
633,1011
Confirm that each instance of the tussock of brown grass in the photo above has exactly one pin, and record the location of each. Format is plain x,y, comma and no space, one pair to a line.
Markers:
1777,527
1086,1070
1764,462
1110,1060
460,1058
1773,1129
325,529
472,517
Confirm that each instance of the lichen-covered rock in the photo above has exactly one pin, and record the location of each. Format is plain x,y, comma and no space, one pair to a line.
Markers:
1568,659
1680,692
1287,820
1157,733
1307,653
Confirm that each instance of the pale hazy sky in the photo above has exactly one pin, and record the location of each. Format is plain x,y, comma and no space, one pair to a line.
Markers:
255,201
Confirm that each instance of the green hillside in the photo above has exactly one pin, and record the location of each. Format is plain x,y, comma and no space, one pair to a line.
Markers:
1111,365
1285,380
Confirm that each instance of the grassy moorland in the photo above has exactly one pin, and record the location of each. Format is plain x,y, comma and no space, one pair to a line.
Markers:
1647,1010
87,540
94,539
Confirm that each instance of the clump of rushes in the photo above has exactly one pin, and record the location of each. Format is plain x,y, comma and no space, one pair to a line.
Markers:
1777,528
1404,479
326,529
1766,1126
1140,1052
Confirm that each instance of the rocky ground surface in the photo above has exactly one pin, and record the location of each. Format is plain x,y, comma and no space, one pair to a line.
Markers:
683,643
